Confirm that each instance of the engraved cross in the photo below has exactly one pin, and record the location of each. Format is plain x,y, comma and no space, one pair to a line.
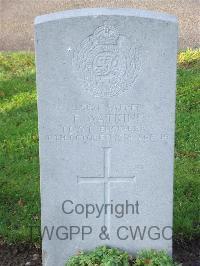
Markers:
106,179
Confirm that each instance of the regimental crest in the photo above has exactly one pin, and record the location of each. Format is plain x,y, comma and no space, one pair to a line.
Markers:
106,63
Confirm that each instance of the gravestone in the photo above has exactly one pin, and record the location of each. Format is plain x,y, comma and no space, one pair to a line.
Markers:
106,101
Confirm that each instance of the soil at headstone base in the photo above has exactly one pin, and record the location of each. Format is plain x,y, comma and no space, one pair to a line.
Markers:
185,252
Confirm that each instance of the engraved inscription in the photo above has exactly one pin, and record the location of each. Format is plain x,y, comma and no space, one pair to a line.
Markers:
106,63
106,124
106,179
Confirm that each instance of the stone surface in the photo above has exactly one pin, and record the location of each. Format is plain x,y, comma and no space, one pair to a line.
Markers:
106,100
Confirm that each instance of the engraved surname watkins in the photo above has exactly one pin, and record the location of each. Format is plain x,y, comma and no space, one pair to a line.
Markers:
106,63
102,119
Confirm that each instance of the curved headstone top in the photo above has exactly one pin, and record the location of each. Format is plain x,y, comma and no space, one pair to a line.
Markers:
105,12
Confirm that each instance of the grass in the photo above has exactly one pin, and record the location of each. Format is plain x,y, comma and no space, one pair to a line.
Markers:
113,256
19,164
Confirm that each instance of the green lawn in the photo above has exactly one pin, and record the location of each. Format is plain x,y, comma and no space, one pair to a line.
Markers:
19,164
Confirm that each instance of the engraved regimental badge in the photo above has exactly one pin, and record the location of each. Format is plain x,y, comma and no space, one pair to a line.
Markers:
106,63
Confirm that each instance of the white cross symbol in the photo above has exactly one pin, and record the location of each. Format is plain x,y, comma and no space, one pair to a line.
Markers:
106,179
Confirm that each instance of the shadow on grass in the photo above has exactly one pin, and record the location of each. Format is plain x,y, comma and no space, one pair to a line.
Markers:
12,86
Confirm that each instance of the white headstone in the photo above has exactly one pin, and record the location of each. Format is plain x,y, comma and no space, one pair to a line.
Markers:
106,99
